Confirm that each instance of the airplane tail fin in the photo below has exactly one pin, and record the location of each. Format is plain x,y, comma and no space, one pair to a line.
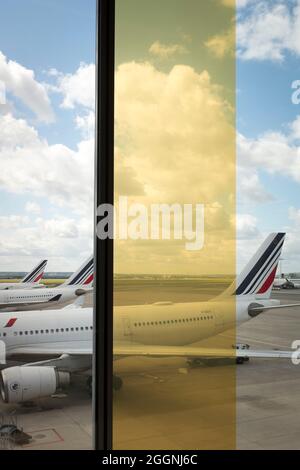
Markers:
258,276
37,273
83,276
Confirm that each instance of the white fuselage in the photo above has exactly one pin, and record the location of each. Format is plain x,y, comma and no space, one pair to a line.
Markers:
156,324
38,299
20,285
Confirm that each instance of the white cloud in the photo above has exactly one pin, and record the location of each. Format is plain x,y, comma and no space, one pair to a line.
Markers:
237,3
246,226
36,169
173,153
13,222
86,124
78,88
222,44
30,165
32,208
22,83
269,30
166,51
249,187
273,152
65,241
58,228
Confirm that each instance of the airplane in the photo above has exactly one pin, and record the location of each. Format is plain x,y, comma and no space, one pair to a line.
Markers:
292,283
53,346
38,299
286,283
31,280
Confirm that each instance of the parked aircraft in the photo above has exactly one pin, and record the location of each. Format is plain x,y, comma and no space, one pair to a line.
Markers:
31,280
58,343
37,299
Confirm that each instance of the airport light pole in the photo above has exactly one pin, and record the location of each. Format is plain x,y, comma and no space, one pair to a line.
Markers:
104,178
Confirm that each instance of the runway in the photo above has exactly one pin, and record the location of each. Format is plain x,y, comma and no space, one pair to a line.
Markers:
165,404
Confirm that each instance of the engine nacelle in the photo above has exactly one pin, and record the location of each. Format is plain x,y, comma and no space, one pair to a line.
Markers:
20,384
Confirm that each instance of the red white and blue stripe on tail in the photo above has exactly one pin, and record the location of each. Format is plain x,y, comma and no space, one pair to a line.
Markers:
84,276
37,273
258,276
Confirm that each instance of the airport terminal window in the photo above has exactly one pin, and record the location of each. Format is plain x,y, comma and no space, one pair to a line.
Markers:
154,129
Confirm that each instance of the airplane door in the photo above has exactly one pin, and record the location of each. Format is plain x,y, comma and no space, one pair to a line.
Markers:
127,327
219,320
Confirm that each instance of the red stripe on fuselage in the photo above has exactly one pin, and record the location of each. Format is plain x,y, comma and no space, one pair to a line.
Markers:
10,323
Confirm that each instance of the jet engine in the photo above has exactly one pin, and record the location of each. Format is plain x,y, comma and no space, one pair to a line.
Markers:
21,384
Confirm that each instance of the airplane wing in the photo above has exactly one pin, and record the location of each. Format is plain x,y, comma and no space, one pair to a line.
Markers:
125,350
256,308
71,360
76,359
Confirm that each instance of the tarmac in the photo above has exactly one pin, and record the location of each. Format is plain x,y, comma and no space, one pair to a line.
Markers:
166,404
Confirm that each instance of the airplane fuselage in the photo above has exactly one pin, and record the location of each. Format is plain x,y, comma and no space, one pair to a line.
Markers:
19,285
37,299
155,324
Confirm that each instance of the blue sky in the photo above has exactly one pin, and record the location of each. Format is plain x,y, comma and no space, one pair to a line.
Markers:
50,34
55,39
44,35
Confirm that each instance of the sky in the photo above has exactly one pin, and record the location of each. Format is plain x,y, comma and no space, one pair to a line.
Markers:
47,57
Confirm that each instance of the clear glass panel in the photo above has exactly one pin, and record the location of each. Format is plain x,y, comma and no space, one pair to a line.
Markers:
174,155
47,76
268,407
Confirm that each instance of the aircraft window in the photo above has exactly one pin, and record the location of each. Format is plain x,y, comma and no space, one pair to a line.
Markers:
4,334
31,332
86,327
42,332
57,330
26,332
62,330
81,328
52,331
76,328
15,333
36,332
72,329
67,329
21,332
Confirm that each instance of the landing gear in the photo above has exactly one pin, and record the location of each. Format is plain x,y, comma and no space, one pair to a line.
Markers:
117,383
194,362
240,360
244,347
